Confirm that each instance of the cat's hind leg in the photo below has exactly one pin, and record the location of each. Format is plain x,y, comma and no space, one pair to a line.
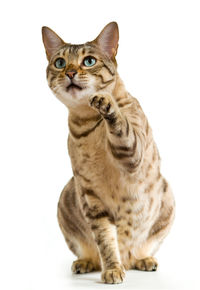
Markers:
144,254
146,264
143,259
82,266
76,231
88,260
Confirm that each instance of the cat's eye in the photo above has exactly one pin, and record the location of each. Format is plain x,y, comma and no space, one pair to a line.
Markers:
89,61
60,63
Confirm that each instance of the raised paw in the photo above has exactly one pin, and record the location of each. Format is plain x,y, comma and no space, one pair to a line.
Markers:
113,276
147,264
103,103
82,266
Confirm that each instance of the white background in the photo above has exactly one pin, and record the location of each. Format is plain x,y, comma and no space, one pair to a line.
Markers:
159,61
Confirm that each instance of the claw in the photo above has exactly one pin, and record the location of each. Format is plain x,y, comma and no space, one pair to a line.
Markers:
93,99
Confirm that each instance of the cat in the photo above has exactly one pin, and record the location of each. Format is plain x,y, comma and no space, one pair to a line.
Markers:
117,208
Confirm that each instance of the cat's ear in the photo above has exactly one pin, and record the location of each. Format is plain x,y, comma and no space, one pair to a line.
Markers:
52,42
108,39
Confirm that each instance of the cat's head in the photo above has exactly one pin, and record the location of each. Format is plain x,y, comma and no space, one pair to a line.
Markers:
75,72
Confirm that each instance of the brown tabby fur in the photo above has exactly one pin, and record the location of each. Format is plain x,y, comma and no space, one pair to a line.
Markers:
117,208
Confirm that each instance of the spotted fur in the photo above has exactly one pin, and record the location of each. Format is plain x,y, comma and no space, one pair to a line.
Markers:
117,208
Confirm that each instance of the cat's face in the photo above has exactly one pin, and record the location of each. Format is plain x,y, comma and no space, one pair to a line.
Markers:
75,72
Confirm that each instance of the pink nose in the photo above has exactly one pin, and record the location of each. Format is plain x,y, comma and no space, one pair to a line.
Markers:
71,73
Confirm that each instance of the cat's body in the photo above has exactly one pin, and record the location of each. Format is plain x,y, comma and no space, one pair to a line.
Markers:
117,209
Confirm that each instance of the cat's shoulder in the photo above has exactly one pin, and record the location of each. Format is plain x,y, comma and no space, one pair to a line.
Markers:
135,104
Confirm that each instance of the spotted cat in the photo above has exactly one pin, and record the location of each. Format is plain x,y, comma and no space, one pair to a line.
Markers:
117,208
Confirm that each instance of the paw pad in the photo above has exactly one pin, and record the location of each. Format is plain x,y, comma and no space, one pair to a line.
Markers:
102,103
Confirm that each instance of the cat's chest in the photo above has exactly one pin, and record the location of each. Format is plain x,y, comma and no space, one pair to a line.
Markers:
94,169
91,159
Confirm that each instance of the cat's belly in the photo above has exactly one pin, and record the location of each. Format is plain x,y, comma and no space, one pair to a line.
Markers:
133,223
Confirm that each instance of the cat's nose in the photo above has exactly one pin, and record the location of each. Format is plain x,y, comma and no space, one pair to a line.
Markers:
71,74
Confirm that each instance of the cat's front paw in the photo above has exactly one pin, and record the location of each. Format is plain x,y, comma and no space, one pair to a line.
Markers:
113,276
102,103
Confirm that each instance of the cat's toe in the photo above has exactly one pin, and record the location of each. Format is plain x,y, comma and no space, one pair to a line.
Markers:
147,264
113,276
82,266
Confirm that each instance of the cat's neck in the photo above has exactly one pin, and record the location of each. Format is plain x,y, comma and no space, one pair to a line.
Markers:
119,90
84,111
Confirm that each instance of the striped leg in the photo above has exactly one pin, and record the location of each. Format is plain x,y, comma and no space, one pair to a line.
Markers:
104,232
125,143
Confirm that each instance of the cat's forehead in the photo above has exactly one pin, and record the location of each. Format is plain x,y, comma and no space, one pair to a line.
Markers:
76,50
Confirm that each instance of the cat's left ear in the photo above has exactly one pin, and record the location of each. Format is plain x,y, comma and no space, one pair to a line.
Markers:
52,42
108,39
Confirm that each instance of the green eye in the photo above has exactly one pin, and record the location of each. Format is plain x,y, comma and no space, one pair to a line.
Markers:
60,63
89,61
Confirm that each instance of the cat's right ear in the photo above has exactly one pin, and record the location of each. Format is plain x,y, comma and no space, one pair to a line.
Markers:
108,39
52,42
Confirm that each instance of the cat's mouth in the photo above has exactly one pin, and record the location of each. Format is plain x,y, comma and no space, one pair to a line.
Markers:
73,86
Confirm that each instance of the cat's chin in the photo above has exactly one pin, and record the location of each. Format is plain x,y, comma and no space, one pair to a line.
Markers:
77,93
73,96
